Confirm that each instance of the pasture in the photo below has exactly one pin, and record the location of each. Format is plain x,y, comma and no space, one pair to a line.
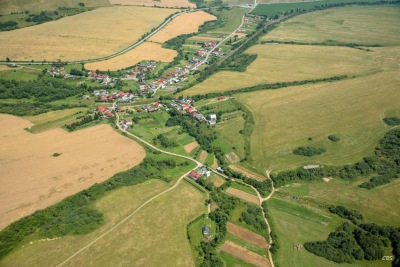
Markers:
162,3
374,204
106,31
8,6
231,19
183,24
285,63
356,24
86,157
292,227
145,51
352,108
145,233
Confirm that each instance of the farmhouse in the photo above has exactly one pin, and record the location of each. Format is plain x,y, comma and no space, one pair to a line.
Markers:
205,230
213,119
200,172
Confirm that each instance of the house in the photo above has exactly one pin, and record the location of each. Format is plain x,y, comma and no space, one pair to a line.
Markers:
185,107
205,230
157,105
102,109
219,169
191,110
194,175
213,119
128,122
103,98
221,97
311,167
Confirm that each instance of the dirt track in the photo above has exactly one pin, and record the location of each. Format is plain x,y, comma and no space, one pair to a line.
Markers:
247,235
32,178
244,254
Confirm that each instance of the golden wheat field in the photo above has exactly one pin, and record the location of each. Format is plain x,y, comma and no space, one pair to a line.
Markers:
185,23
88,35
33,178
163,3
285,63
145,51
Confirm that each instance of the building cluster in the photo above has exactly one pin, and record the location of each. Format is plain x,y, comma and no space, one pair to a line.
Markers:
203,171
184,106
104,112
140,71
156,106
103,96
101,78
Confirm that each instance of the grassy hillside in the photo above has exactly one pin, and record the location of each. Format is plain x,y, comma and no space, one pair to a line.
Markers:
149,231
353,109
356,24
284,63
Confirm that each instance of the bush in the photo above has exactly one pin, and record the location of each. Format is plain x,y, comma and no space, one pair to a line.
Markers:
334,138
309,151
392,121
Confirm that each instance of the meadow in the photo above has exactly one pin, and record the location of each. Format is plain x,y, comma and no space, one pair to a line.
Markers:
183,24
285,63
161,3
83,158
136,240
376,205
106,31
291,222
231,19
145,51
352,109
8,6
357,24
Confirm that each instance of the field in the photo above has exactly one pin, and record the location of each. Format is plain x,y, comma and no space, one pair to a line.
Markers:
247,173
291,222
183,24
231,19
8,6
247,235
352,109
106,31
285,63
373,204
87,156
163,3
244,254
191,146
357,24
243,195
137,240
145,51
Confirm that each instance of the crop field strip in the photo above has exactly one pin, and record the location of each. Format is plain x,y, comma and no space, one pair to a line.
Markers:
306,62
49,179
107,30
150,3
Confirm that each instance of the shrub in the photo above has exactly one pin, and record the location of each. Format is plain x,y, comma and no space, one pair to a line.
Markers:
309,151
334,138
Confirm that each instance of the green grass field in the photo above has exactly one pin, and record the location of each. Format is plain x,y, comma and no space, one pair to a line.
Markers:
229,131
293,227
356,24
279,7
247,245
19,74
232,19
286,63
243,188
377,205
196,235
231,261
149,231
286,118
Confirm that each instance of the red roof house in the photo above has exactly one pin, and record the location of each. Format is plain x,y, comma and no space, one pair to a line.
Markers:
194,175
102,109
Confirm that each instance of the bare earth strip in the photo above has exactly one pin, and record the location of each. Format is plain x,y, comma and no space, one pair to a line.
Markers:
247,235
31,178
145,51
252,175
88,35
232,157
189,147
163,3
244,254
185,23
243,195
203,156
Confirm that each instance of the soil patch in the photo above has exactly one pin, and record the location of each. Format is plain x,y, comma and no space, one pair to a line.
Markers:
243,195
247,173
247,235
203,156
232,157
189,147
244,254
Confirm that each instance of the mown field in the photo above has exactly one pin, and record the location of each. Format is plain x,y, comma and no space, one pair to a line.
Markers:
356,24
183,24
353,109
106,31
231,19
46,179
162,3
376,205
149,231
145,51
8,6
297,223
285,63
